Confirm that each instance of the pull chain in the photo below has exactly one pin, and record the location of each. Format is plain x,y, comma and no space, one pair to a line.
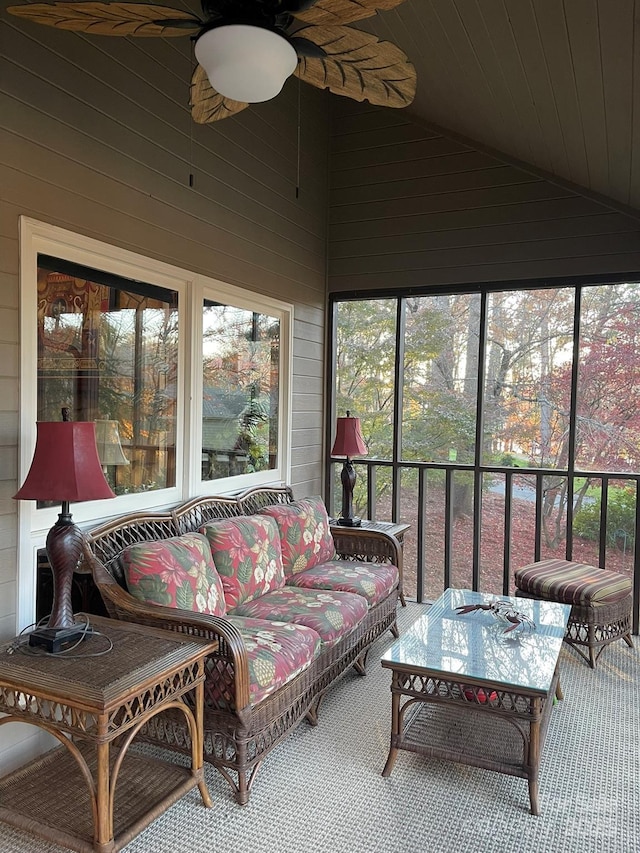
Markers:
298,145
192,67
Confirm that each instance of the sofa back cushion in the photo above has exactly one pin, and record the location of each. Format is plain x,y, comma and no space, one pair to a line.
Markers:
305,535
246,551
177,572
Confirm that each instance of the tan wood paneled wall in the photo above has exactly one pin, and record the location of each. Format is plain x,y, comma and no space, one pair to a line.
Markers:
411,208
96,137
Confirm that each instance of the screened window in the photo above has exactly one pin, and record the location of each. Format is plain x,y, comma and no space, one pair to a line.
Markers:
440,378
537,407
502,424
528,369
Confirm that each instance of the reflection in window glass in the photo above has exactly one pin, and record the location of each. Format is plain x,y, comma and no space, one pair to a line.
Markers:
108,351
241,376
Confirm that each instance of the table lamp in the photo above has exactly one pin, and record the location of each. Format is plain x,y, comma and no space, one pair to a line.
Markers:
65,467
349,442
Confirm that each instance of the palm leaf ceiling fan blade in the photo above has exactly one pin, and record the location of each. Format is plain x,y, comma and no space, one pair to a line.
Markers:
358,66
343,11
258,51
208,105
111,19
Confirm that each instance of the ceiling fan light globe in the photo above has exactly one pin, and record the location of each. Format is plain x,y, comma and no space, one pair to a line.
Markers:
245,63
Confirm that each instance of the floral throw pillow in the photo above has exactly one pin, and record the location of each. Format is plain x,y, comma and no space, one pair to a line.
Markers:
246,551
176,572
305,535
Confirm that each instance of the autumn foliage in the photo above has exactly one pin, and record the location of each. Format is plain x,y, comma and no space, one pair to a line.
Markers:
546,380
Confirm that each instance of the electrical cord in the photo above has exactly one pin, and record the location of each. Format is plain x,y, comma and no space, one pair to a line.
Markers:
21,642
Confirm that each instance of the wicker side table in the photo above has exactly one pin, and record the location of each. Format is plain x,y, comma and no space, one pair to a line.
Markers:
91,793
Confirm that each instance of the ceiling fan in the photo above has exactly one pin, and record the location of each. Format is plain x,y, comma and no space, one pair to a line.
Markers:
246,49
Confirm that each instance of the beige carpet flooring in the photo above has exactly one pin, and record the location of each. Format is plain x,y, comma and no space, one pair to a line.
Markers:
322,789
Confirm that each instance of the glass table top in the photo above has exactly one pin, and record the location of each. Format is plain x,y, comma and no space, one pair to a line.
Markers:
474,645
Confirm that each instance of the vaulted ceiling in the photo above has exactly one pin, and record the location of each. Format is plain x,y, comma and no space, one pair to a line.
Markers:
551,85
554,84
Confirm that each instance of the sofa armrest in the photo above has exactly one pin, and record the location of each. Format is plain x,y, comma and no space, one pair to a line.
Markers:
230,657
372,546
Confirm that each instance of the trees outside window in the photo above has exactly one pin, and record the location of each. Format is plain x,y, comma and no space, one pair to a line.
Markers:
494,383
240,405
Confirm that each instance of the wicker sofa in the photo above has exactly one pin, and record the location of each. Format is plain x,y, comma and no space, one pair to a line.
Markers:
270,670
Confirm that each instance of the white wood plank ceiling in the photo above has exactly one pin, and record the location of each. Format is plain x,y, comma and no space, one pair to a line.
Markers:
552,83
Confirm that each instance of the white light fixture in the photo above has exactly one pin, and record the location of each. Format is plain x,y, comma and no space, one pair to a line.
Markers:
245,63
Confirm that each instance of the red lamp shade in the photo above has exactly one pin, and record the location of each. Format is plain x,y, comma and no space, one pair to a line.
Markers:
65,465
349,440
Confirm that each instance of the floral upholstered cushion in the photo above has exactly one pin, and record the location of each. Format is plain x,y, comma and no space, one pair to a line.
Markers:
276,652
176,572
305,534
374,581
331,614
246,551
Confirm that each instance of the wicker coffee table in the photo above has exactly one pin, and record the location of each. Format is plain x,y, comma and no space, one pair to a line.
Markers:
464,691
93,793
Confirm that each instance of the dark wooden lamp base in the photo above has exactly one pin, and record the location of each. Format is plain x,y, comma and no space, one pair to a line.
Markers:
55,640
64,549
348,479
356,521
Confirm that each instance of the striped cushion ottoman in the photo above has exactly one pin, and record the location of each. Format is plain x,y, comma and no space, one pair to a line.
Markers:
601,601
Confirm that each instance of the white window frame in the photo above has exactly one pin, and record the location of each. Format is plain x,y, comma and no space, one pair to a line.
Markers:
33,524
218,291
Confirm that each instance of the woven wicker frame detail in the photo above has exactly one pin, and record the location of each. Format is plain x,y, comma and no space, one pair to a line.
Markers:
91,794
237,736
595,626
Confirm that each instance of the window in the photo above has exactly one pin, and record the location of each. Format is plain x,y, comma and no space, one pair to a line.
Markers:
240,384
108,351
186,377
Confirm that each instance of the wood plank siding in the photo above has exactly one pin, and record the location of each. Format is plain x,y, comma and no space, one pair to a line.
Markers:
308,194
96,137
410,208
553,84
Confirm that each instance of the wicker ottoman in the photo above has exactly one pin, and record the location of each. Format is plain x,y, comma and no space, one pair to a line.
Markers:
601,601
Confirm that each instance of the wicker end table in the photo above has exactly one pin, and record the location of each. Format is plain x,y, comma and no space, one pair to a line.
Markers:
463,691
92,793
